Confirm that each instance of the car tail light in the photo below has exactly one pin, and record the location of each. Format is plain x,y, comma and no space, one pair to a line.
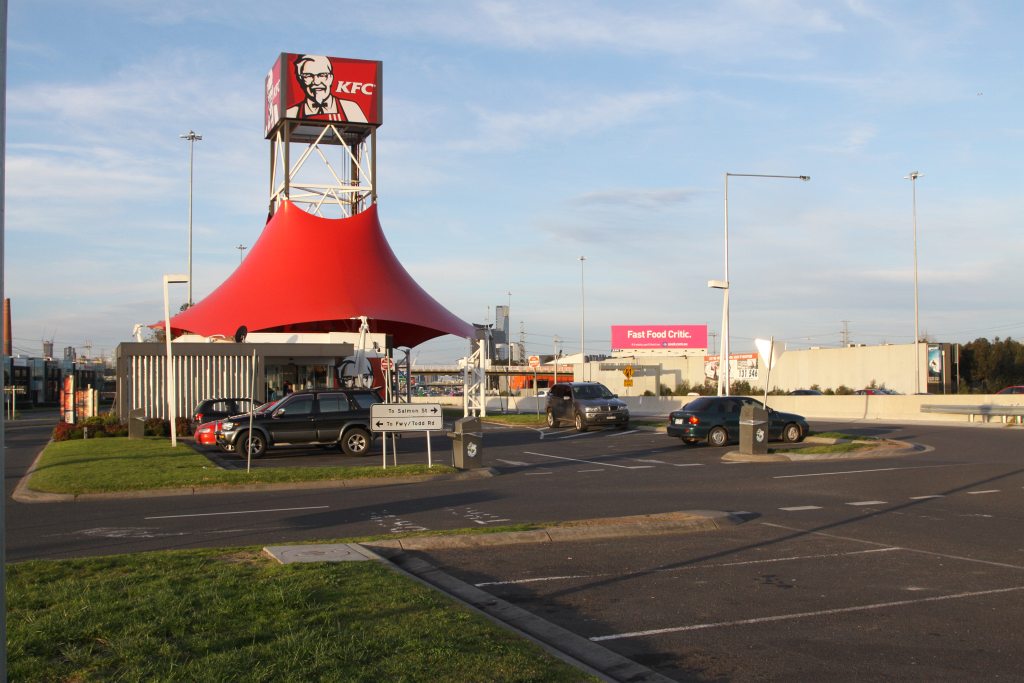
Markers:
693,419
199,418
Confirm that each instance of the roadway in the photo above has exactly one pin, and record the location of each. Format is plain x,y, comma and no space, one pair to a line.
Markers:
909,567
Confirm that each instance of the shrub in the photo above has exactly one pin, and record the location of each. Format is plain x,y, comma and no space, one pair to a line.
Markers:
65,432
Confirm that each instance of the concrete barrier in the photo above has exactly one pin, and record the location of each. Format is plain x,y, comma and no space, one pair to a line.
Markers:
869,407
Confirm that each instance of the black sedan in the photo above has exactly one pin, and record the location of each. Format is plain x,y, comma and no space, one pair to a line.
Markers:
717,420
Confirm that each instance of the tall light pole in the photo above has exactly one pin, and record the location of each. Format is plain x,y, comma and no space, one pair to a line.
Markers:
583,313
912,177
191,136
508,327
241,251
172,408
554,356
723,358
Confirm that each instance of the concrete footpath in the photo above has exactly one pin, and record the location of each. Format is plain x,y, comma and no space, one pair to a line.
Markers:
574,649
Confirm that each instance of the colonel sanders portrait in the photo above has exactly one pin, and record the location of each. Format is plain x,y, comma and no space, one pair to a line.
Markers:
316,76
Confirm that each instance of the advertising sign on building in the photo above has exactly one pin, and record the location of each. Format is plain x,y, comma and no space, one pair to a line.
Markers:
743,367
659,337
320,88
934,364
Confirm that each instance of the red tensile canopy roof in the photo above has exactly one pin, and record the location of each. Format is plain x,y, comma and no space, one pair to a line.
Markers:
313,274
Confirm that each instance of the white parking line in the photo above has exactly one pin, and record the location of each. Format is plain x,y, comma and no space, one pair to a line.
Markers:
238,512
934,495
832,474
800,508
590,462
868,502
978,493
688,464
804,615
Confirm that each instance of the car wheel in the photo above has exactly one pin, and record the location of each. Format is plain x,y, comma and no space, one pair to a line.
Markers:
552,422
259,445
718,436
581,424
356,441
792,433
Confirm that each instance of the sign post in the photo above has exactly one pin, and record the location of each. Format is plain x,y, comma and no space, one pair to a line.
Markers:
534,363
406,417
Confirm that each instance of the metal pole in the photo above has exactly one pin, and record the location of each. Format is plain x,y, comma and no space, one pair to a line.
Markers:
723,356
191,136
583,312
724,375
171,398
914,175
170,368
3,446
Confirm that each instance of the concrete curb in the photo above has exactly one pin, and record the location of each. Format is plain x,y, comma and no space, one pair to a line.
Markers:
24,494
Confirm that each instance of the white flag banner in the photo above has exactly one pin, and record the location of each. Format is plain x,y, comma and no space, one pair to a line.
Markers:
768,351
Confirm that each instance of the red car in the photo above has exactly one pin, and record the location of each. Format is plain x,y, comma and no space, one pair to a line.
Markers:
1011,390
206,433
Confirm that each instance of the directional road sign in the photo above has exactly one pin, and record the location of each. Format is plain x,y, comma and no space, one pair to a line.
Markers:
406,417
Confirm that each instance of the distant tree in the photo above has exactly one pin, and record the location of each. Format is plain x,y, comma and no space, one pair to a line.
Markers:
986,367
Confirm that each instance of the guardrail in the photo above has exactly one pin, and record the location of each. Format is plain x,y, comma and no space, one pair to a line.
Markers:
985,411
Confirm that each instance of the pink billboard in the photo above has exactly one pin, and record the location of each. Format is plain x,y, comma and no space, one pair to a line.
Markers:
659,337
321,88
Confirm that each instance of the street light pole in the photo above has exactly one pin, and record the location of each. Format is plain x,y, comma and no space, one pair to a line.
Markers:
191,136
171,398
724,378
241,251
912,177
583,313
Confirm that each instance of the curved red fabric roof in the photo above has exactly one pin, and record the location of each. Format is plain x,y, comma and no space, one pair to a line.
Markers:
311,274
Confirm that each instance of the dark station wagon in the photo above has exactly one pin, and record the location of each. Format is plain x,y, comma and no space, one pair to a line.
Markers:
716,419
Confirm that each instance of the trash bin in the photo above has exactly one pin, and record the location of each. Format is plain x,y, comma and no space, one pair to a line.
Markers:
136,423
467,444
753,430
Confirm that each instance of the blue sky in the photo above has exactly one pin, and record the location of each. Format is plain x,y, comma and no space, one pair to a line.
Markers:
519,136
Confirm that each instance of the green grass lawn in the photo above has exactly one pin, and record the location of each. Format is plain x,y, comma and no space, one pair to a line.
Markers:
122,464
235,615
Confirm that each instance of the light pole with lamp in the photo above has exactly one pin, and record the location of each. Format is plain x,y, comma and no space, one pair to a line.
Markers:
912,177
171,398
723,358
583,313
191,136
241,251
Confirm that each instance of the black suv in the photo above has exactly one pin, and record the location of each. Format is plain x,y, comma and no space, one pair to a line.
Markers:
586,404
217,409
338,417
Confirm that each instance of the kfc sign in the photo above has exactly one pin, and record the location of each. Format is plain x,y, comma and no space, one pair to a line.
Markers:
659,337
321,88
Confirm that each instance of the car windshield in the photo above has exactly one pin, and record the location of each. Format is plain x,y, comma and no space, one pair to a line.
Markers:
588,391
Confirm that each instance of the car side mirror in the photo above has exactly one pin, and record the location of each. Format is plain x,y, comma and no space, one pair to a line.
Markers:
279,412
567,398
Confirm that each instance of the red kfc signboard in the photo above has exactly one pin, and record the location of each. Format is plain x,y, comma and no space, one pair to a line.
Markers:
659,336
321,88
